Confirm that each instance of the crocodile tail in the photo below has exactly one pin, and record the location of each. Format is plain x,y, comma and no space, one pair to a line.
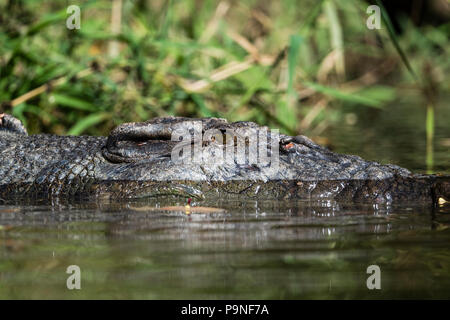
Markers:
10,124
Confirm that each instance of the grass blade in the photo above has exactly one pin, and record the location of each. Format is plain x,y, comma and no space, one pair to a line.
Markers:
394,39
85,123
344,96
337,41
74,103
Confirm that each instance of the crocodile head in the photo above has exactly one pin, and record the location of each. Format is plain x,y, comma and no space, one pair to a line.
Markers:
181,153
212,149
237,158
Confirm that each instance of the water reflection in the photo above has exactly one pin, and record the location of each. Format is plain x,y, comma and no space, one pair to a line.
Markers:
265,249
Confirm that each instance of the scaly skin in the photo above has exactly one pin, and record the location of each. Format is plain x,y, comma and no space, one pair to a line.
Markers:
135,161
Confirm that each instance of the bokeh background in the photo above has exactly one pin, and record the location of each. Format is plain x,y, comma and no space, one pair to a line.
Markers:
310,67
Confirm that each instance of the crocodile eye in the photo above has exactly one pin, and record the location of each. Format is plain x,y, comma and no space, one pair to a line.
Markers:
288,146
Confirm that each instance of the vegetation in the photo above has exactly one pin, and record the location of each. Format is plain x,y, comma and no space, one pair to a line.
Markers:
296,67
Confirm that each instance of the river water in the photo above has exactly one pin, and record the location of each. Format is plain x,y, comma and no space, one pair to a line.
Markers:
252,250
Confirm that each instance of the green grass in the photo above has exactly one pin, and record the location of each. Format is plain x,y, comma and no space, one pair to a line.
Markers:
293,66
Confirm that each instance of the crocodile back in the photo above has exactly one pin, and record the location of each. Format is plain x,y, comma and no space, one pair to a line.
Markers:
23,157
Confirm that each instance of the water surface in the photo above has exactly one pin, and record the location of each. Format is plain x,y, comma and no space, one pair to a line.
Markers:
253,250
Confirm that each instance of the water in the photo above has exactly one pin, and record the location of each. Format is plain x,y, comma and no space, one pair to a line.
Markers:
254,250
298,250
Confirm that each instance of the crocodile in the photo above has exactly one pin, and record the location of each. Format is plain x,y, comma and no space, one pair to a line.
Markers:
137,160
